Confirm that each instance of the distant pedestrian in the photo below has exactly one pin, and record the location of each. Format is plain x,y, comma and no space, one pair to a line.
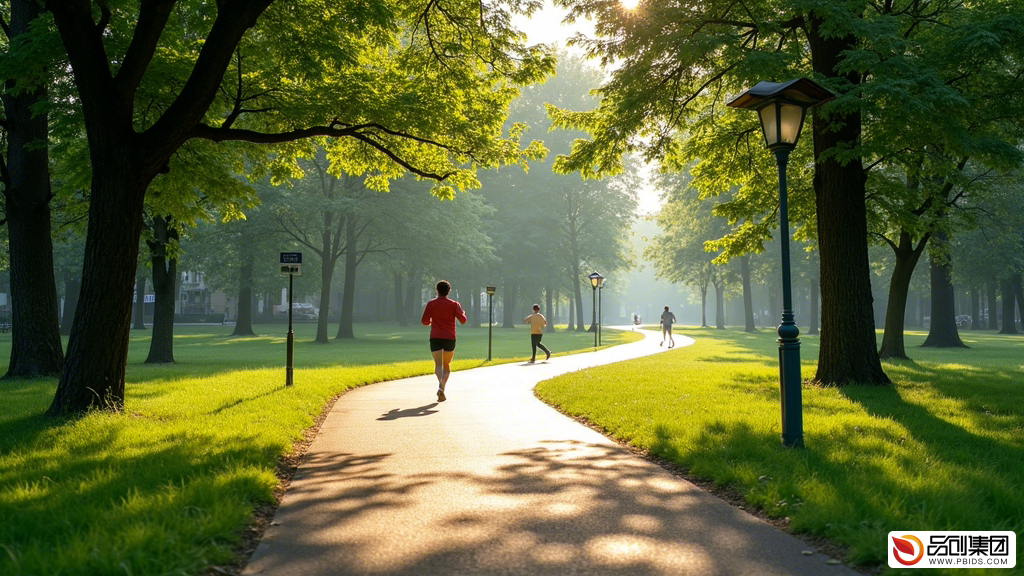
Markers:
667,320
537,323
440,314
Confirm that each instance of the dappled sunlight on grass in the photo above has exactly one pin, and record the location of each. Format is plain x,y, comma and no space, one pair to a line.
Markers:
943,448
166,485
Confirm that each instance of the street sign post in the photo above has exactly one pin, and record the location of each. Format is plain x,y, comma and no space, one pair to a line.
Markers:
291,264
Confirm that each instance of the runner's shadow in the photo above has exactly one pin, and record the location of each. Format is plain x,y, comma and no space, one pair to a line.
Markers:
396,413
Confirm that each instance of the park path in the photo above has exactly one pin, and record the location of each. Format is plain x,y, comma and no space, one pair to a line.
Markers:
495,482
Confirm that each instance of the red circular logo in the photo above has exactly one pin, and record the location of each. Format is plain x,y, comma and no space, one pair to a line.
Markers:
905,545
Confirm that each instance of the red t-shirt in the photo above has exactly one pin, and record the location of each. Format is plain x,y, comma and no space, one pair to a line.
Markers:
440,314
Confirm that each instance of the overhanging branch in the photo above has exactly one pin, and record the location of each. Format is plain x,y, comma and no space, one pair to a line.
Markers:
361,132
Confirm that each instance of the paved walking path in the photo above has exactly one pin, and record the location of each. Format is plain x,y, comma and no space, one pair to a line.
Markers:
494,481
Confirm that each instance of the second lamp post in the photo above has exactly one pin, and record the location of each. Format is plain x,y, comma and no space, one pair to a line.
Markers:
490,317
596,280
781,107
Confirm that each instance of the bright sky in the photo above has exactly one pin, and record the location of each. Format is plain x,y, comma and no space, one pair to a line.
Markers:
547,27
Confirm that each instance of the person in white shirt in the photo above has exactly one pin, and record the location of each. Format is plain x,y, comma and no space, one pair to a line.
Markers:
537,323
667,320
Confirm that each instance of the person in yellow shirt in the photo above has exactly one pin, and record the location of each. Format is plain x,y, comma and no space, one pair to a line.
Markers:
537,323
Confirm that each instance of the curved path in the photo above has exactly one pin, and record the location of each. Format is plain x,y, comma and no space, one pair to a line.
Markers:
494,481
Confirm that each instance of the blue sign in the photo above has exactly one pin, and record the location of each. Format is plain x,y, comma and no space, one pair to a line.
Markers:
291,257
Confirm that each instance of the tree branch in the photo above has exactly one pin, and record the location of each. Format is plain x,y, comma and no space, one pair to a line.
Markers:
891,244
334,130
86,53
234,18
924,240
304,240
153,16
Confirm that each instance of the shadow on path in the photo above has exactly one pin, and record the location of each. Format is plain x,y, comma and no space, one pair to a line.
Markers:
564,507
396,413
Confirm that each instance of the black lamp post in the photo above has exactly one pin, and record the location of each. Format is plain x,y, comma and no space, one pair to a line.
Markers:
600,314
595,280
490,317
781,107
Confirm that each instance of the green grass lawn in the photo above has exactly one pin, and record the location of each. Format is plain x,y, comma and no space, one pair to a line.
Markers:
167,485
941,449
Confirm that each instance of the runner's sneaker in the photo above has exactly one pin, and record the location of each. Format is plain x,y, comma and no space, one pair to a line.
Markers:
548,356
440,395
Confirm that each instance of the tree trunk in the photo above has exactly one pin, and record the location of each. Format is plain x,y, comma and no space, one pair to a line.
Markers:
72,286
327,264
326,275
1009,303
774,310
93,372
993,317
720,305
243,324
848,350
748,297
942,333
1018,289
140,300
572,315
975,308
348,294
35,330
578,300
511,299
549,309
814,307
907,256
165,273
704,307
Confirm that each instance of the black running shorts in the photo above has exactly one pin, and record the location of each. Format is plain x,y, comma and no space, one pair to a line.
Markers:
442,344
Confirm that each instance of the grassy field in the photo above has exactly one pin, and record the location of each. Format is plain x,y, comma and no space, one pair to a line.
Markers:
166,486
941,449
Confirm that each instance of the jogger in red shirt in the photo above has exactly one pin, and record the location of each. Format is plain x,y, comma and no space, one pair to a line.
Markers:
440,314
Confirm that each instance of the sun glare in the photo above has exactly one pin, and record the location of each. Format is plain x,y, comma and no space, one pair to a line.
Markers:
629,4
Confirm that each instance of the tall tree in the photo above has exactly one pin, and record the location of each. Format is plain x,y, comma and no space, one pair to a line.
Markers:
943,332
321,213
552,225
748,304
163,246
847,351
410,98
35,333
1009,300
681,252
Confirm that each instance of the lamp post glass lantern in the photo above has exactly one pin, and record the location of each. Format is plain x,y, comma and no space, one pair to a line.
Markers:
781,107
490,317
595,280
